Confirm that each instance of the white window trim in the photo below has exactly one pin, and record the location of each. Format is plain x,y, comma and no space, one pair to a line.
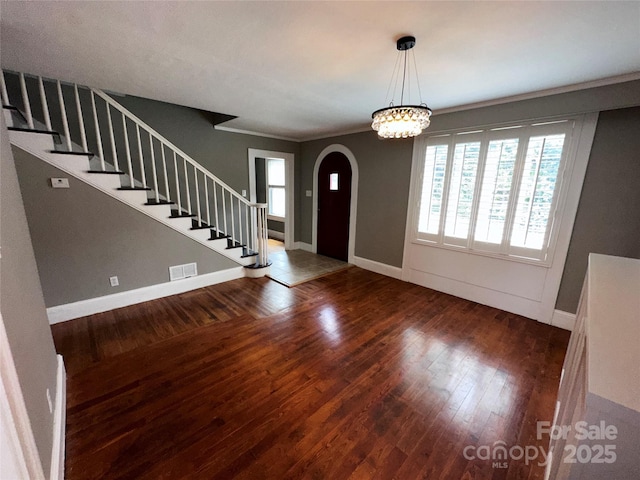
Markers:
523,131
414,268
289,219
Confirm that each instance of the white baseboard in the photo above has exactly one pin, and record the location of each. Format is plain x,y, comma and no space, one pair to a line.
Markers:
307,247
563,320
69,311
59,423
275,234
377,267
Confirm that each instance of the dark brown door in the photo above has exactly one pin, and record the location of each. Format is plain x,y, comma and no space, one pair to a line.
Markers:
334,204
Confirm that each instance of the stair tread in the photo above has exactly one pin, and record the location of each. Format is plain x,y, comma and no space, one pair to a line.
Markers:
182,215
218,237
145,189
160,202
108,172
61,152
32,130
202,227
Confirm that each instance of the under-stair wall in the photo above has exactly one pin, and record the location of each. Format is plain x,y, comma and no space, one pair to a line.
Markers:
82,237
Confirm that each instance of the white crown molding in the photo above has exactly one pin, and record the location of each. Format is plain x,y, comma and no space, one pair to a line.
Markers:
256,134
603,82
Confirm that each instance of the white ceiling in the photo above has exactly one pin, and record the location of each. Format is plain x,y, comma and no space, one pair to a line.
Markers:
309,69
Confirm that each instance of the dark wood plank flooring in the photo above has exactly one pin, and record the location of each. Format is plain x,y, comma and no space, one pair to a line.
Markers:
353,375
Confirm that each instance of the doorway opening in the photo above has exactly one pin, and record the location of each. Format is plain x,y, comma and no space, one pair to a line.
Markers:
271,177
335,203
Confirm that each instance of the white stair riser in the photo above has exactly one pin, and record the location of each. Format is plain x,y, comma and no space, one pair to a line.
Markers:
40,142
8,117
161,212
135,197
181,223
203,234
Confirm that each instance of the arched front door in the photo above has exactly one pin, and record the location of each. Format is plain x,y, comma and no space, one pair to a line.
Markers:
334,204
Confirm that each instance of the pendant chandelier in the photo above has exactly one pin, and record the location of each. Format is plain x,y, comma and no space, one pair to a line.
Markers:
402,121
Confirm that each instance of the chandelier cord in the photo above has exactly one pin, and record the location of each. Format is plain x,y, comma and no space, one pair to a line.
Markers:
415,67
394,75
404,74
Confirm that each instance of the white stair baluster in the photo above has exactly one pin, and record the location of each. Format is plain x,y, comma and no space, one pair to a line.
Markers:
175,170
5,95
114,152
127,150
154,171
252,227
206,196
187,190
164,171
83,132
63,114
141,157
240,230
197,192
233,220
215,205
224,212
97,127
45,106
186,182
25,101
246,226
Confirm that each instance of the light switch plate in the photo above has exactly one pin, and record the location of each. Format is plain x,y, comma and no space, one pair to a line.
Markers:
60,182
308,193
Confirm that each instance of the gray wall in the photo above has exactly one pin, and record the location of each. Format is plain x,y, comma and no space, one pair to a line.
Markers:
23,308
608,218
224,154
82,236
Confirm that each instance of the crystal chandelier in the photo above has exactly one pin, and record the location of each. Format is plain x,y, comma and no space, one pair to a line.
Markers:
402,121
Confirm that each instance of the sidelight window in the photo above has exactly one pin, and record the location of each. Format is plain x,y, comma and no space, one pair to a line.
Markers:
276,187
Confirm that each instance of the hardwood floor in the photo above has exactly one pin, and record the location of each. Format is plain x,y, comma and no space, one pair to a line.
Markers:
353,375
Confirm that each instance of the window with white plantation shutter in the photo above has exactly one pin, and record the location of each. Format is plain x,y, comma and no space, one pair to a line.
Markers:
435,162
464,168
493,191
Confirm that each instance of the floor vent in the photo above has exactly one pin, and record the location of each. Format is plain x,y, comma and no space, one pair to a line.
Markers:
183,271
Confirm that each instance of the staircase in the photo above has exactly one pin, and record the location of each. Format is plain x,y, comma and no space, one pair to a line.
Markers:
87,134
